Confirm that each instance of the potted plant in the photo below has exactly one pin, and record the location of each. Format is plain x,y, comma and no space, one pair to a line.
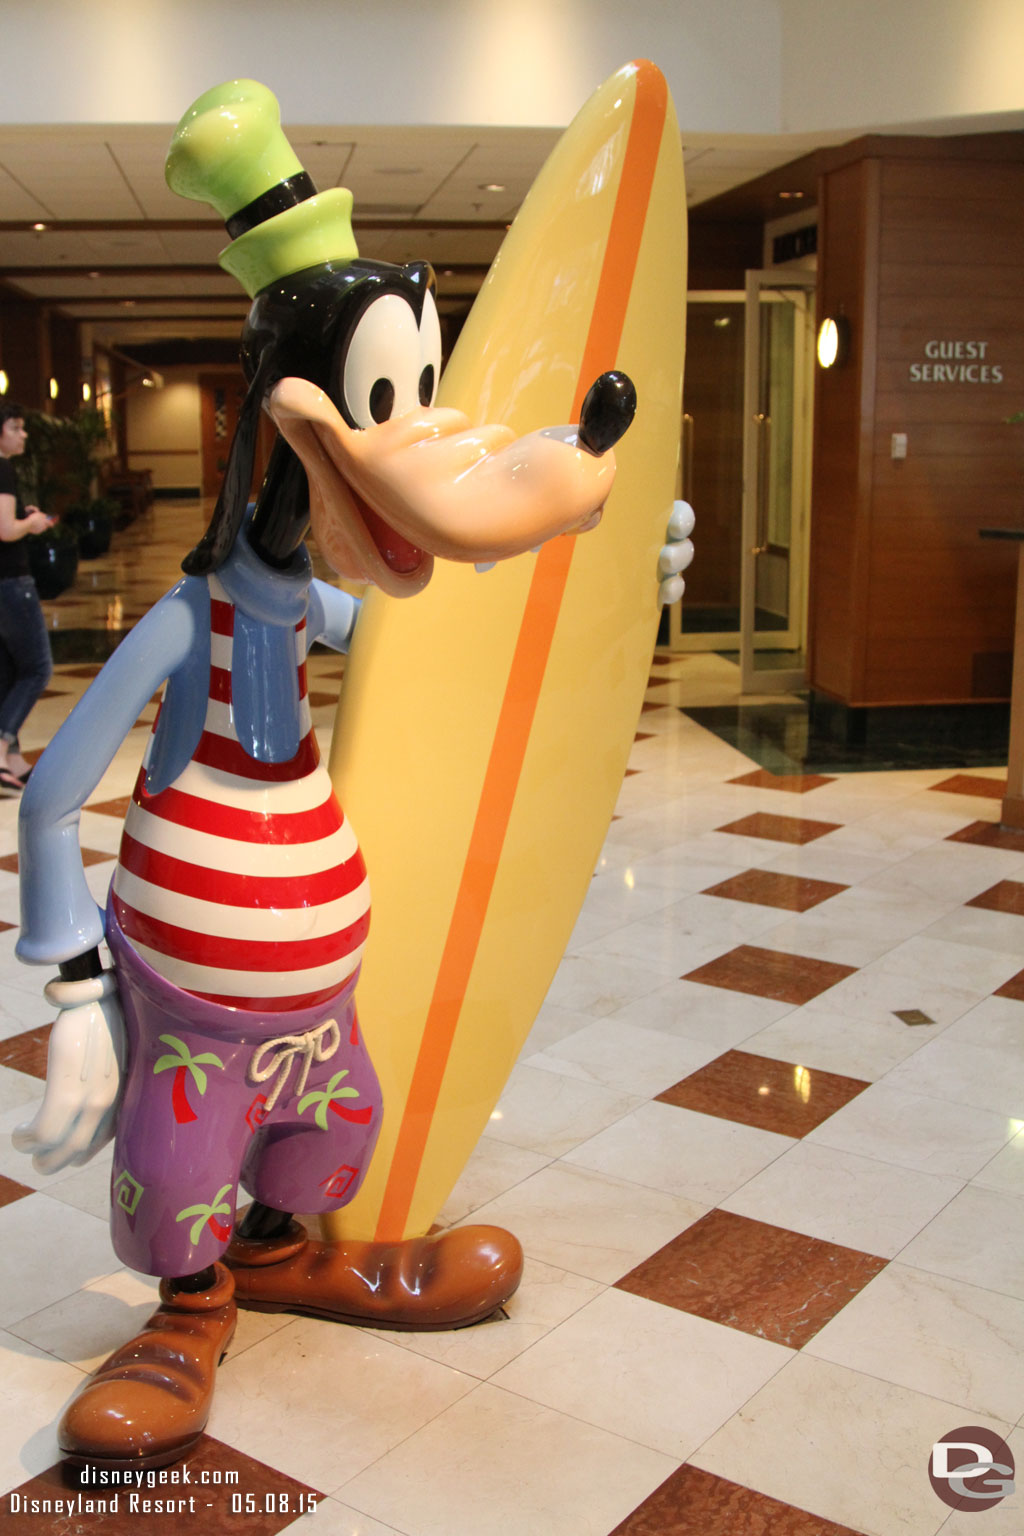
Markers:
92,523
56,472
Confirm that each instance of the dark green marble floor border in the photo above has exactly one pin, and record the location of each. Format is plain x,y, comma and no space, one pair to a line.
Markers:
815,737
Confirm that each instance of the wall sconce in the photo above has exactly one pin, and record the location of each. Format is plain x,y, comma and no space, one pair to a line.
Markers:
833,341
54,389
4,381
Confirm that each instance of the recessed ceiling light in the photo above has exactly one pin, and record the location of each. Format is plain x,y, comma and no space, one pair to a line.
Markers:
492,186
786,195
94,275
39,226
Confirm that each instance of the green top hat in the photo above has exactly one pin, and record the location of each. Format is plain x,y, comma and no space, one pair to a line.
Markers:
230,151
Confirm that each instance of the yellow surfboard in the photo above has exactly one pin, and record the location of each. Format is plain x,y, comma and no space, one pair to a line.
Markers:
484,725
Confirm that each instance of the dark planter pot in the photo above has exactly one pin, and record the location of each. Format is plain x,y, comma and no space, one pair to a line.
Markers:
94,534
53,565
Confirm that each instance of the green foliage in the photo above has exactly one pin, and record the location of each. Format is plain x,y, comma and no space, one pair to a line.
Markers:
59,464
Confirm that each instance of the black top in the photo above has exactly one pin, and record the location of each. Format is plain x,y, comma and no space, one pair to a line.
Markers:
13,554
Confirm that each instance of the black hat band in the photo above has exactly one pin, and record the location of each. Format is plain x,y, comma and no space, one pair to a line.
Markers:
287,194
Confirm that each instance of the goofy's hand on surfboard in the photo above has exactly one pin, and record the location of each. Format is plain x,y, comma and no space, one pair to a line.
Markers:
676,555
84,1070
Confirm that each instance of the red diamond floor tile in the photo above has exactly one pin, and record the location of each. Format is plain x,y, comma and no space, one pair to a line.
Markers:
769,888
972,784
11,1190
759,1091
1014,988
780,829
89,856
27,1052
257,1501
989,834
759,972
760,1279
791,783
118,807
1007,896
695,1503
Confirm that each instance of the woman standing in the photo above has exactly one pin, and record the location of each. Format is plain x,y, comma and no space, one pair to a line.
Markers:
25,662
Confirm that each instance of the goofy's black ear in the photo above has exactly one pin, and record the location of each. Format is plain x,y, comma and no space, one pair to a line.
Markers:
219,539
420,276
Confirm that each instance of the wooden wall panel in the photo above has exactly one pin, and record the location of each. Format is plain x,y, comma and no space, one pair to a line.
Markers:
929,613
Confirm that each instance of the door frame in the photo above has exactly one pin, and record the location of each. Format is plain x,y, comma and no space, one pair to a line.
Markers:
761,284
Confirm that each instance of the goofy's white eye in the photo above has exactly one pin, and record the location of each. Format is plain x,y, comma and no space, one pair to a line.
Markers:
391,365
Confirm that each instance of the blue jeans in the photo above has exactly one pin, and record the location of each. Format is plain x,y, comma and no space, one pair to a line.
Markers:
25,662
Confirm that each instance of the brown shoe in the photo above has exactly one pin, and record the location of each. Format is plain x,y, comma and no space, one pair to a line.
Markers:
147,1404
455,1278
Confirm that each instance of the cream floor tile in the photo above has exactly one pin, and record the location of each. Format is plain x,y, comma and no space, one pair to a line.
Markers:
498,1465
598,986
617,896
977,1238
17,1089
18,1165
681,1152
659,946
553,1024
719,1017
916,1132
589,1223
855,1201
85,1327
625,1056
87,1188
822,860
981,1075
22,1004
494,1167
976,925
646,1372
546,1297
965,967
1005,1172
877,993
996,1022
732,848
840,1444
855,927
946,871
935,1335
833,1041
47,1251
348,1397
549,1113
33,1389
333,1518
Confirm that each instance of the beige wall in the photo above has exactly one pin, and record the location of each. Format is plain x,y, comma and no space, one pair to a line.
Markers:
163,428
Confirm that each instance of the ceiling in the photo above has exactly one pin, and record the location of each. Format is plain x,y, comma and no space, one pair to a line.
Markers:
122,252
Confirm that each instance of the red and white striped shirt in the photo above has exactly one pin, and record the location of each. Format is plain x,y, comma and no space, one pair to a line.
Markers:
243,882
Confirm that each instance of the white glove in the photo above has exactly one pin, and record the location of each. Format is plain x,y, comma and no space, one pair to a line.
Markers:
83,1075
676,555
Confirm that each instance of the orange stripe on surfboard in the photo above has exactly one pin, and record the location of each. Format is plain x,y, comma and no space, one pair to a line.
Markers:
526,674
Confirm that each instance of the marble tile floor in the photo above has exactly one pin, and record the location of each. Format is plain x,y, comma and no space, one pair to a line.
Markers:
764,1150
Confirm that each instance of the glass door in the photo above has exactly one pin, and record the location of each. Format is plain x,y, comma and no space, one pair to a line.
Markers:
777,400
707,618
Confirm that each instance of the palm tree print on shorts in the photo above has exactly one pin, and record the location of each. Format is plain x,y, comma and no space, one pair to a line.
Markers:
325,1098
206,1215
182,1062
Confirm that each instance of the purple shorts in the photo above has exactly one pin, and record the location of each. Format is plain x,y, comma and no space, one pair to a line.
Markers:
286,1106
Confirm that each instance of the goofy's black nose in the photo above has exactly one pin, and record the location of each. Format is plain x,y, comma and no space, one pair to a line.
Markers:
607,412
